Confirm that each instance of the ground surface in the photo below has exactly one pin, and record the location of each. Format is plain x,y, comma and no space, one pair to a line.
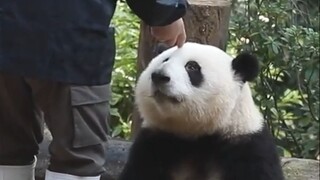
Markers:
294,169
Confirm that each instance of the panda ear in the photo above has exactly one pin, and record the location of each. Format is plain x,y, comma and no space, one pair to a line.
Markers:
246,66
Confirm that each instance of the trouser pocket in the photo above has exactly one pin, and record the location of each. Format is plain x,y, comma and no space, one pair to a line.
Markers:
90,109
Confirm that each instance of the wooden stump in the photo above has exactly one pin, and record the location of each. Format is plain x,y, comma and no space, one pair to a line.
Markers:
206,22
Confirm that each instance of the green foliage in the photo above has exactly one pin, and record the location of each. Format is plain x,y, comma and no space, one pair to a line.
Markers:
124,73
284,35
287,90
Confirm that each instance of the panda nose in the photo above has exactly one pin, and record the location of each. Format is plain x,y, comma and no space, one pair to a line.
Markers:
159,78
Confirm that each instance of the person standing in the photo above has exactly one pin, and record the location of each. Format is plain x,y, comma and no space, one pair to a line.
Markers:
56,60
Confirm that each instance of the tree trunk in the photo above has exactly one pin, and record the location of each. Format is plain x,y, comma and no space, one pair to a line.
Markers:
206,22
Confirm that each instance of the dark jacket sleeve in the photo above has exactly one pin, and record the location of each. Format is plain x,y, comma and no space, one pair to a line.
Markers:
158,12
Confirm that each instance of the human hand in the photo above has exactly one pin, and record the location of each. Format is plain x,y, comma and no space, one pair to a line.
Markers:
172,34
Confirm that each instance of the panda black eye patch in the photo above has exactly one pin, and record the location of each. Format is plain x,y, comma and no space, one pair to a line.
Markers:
165,60
194,71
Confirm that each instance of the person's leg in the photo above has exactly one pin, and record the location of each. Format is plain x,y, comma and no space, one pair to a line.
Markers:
77,119
20,129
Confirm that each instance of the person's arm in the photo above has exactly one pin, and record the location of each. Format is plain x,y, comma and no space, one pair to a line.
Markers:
164,18
158,12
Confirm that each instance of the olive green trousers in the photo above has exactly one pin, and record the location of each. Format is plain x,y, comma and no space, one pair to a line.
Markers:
77,117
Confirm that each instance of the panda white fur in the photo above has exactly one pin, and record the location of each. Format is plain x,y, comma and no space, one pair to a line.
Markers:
200,121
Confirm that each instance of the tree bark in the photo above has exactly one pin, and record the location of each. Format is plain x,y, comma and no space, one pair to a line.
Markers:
206,22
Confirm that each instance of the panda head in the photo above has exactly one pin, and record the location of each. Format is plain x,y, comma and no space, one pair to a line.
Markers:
199,90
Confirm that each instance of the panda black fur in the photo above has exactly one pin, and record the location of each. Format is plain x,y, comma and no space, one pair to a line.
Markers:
200,121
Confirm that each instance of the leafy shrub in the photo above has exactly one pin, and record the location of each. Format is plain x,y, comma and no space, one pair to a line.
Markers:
287,90
124,73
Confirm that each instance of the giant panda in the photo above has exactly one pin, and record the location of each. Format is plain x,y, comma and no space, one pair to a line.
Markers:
200,120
